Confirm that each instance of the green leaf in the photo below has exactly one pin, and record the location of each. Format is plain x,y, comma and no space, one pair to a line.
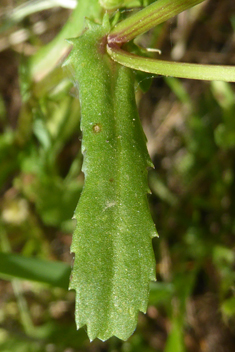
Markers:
161,292
47,58
34,269
114,259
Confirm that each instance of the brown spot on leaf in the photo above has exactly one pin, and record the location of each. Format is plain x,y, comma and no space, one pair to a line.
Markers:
97,128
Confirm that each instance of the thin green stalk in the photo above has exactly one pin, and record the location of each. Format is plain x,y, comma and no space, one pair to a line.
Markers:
31,6
148,18
174,69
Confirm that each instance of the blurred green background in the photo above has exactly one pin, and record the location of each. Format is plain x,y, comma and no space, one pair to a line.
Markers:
190,126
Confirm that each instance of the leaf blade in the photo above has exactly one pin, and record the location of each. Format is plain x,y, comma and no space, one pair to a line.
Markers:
114,259
34,269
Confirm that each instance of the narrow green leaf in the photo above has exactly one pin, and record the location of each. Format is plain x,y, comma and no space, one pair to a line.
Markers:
50,55
170,68
29,7
34,269
114,259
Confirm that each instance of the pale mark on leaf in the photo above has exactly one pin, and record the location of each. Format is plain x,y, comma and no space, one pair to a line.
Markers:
109,205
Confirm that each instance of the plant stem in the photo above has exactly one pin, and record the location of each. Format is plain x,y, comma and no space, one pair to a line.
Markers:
169,68
148,18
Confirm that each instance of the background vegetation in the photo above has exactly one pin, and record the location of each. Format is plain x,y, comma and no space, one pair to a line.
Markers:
190,128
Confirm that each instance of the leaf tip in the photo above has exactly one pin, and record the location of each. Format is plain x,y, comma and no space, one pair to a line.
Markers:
105,22
90,24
